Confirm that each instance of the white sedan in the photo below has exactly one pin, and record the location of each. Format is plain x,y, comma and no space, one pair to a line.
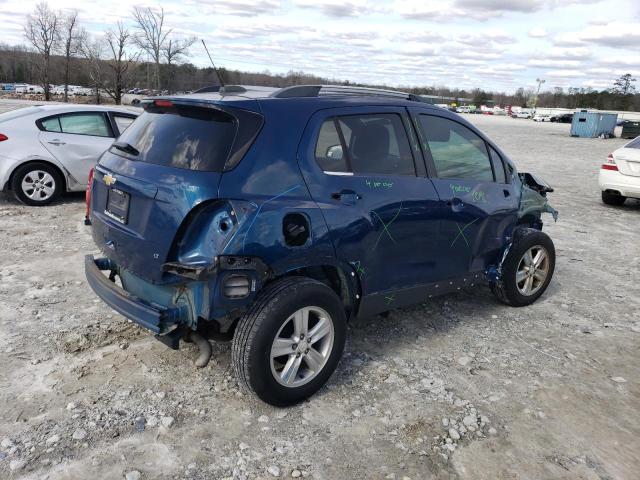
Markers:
542,117
619,177
49,149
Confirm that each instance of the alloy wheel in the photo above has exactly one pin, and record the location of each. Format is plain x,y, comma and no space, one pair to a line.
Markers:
302,346
532,271
38,185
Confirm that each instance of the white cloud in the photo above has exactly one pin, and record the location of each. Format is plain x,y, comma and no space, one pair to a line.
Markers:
614,35
337,8
538,32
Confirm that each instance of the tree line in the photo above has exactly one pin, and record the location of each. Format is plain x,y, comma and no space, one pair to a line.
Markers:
147,54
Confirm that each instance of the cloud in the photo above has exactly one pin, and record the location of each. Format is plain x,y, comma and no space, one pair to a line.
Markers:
337,8
245,8
565,73
614,35
538,32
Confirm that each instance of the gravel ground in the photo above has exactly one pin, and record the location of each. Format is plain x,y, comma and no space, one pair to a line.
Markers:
458,388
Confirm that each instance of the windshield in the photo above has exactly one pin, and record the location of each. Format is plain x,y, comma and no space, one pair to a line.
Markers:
180,137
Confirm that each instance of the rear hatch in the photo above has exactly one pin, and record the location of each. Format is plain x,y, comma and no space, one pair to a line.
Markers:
628,158
166,163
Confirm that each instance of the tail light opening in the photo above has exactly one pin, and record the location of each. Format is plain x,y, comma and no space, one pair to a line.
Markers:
610,163
87,197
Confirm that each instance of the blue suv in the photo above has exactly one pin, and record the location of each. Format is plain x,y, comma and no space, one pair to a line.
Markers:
272,217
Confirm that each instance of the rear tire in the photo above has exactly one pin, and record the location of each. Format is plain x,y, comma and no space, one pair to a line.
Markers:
37,184
275,354
527,269
612,199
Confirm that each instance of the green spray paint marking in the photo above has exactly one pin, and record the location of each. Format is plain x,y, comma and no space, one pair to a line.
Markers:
378,184
385,226
359,268
456,188
390,298
461,233
480,197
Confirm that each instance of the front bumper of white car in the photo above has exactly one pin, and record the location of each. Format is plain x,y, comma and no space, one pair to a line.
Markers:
627,185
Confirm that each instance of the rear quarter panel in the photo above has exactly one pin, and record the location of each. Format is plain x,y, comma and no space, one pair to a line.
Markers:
269,180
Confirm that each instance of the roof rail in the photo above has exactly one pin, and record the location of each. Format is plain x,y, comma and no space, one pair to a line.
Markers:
340,90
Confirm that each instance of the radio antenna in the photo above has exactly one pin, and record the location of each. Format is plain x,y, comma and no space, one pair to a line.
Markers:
214,66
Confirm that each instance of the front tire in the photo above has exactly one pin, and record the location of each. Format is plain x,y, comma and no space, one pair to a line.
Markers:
36,184
290,341
612,199
527,269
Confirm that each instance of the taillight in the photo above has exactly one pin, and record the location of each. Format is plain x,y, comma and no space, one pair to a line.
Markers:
87,197
610,164
163,103
3,137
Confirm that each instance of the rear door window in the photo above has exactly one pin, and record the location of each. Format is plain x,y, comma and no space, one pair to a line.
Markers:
329,154
51,124
94,124
365,144
457,152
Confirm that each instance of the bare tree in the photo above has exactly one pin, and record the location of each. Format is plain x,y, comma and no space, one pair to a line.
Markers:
173,51
93,50
151,36
71,46
43,32
120,61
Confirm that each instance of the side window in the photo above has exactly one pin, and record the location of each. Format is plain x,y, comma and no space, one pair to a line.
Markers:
51,124
377,144
457,152
329,154
498,166
123,122
85,124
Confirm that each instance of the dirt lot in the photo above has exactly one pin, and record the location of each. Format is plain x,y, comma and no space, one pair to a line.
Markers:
550,391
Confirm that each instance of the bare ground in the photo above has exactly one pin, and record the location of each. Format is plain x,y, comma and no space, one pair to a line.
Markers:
549,391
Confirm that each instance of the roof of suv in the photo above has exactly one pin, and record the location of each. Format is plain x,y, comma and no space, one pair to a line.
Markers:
325,93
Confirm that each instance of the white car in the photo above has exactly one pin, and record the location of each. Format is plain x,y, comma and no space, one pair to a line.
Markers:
49,149
542,117
619,177
521,114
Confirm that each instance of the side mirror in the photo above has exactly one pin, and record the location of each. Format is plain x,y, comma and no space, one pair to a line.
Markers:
334,152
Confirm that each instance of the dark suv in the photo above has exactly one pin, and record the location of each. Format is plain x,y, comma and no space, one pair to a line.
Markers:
272,217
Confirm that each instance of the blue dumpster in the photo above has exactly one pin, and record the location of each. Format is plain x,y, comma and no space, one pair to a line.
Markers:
592,123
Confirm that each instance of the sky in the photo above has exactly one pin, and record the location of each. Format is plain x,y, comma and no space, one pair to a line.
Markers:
497,45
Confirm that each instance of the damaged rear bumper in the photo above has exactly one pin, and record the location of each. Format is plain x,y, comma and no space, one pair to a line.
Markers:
155,318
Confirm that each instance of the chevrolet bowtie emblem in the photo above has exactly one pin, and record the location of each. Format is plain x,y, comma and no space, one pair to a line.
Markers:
109,179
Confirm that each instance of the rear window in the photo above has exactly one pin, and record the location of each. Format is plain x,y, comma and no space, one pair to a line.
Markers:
181,137
635,143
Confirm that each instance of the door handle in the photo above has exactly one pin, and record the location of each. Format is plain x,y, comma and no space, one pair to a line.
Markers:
506,192
348,197
456,204
57,142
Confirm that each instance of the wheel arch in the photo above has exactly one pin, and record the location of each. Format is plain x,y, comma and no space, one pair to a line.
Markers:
61,171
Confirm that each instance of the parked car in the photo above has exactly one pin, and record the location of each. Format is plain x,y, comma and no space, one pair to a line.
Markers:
273,217
541,117
48,149
619,176
463,109
521,114
562,118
